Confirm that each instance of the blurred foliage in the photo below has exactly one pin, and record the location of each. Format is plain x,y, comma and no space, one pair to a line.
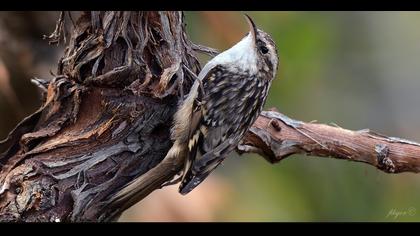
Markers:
330,71
354,69
23,55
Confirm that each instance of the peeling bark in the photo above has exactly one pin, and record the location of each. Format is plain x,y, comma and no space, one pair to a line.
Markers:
105,119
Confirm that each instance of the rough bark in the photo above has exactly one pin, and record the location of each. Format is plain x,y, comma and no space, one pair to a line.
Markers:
105,119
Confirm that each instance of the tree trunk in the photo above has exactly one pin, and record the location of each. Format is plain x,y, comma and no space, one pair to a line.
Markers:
105,120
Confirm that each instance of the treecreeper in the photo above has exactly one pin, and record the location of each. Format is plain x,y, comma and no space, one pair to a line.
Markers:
225,100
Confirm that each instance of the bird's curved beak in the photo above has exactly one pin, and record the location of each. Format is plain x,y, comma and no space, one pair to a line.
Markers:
252,28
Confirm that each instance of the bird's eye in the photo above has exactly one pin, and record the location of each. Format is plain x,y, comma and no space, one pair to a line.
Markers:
263,49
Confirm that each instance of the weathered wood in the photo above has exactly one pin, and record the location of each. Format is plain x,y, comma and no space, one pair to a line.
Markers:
105,120
276,136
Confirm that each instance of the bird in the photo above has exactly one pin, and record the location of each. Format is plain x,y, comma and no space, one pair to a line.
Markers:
225,99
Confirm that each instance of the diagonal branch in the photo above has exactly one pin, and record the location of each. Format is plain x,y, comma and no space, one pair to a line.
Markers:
276,136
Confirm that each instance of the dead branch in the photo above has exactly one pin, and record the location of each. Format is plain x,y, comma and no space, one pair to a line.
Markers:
276,136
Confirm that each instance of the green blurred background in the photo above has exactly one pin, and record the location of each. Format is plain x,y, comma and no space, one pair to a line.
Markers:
355,69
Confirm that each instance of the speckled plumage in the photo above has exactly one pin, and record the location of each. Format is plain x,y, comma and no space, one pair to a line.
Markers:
213,119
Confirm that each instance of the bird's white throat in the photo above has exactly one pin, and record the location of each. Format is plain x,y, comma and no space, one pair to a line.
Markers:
242,56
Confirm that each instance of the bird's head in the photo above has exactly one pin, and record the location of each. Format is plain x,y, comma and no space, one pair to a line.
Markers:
255,53
264,46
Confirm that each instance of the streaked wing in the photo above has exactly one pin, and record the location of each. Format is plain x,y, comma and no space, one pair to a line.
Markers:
227,110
